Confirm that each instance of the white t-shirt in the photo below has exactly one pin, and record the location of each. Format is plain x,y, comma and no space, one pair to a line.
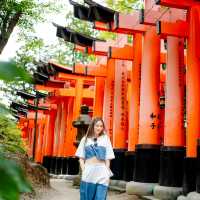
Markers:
103,141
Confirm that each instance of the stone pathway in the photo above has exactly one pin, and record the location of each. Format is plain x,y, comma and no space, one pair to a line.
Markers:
63,190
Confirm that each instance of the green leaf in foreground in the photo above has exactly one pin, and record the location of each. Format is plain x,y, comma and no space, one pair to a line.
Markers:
12,180
9,71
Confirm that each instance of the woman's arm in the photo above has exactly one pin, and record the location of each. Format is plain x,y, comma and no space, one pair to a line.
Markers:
80,153
108,164
82,163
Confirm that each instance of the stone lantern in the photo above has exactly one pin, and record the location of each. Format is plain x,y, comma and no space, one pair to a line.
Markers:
82,123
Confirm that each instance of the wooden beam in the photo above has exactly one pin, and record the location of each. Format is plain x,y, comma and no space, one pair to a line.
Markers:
101,26
64,76
46,88
179,29
83,49
100,48
128,23
125,53
150,17
65,92
123,23
128,54
88,93
98,70
183,4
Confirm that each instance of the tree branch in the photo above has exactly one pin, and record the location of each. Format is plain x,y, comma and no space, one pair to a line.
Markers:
5,34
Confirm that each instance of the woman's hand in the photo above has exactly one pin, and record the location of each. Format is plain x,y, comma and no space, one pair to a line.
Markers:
108,167
108,164
82,163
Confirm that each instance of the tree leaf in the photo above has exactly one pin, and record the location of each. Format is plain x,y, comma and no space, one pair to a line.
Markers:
8,186
9,71
14,176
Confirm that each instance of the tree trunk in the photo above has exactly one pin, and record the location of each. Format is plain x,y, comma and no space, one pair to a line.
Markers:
3,42
5,34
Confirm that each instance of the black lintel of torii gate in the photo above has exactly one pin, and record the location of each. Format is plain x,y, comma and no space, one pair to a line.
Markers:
16,106
45,72
18,111
40,78
60,68
45,68
81,11
95,12
25,95
20,107
75,37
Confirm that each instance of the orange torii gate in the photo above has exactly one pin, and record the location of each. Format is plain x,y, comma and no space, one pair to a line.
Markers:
77,89
149,104
118,26
27,125
180,29
33,123
100,73
86,41
51,141
173,149
173,25
169,179
189,28
109,87
115,81
80,16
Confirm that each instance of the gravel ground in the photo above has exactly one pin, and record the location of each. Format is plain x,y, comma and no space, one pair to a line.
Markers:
63,190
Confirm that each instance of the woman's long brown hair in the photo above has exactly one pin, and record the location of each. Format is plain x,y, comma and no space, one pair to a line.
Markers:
90,131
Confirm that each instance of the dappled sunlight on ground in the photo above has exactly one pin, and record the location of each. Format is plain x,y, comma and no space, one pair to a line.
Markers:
63,190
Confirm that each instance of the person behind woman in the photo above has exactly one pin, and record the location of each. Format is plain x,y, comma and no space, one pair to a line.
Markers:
95,152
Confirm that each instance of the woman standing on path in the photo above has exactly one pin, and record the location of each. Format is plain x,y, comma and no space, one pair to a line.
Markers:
95,152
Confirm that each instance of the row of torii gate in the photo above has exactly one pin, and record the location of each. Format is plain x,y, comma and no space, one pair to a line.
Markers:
152,114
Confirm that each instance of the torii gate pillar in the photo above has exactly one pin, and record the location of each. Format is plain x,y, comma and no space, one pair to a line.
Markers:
135,94
148,148
49,135
108,103
173,151
192,101
99,96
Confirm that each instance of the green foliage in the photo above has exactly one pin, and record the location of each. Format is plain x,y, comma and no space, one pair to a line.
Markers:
24,14
124,6
31,12
130,39
3,109
12,181
9,72
80,25
10,135
10,8
108,35
35,49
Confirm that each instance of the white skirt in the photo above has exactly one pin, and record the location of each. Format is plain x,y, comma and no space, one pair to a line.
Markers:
96,173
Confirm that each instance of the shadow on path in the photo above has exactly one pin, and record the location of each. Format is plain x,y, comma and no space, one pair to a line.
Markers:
63,190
